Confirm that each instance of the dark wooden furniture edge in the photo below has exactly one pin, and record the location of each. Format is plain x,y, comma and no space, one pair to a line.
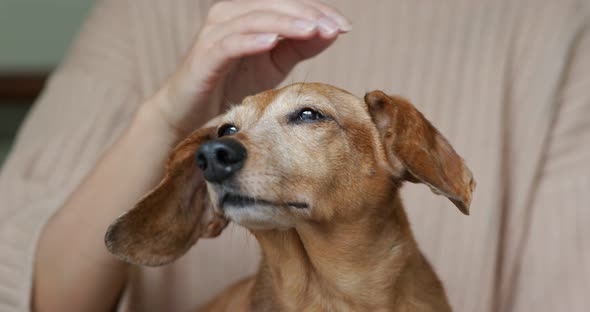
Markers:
21,86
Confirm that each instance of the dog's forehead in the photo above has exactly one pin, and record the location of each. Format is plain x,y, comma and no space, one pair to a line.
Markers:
251,108
294,96
322,94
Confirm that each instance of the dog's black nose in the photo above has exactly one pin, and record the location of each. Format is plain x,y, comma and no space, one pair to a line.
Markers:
220,159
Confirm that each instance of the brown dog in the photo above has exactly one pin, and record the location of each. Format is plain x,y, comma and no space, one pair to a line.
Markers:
314,173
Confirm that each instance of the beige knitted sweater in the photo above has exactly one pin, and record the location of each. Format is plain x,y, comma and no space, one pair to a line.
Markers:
508,82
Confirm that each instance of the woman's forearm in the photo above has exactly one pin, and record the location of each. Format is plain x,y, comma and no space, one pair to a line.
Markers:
73,267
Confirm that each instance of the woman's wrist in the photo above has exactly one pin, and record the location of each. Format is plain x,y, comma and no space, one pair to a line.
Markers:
150,120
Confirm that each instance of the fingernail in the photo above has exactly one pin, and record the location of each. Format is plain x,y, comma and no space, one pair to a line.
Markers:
327,26
266,39
305,26
343,23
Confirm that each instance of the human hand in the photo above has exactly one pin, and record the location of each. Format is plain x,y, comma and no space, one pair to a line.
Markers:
264,39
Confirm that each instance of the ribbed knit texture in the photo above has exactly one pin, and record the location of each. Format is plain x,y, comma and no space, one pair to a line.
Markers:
507,82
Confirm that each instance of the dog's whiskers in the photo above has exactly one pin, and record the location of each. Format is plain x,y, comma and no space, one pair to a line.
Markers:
230,104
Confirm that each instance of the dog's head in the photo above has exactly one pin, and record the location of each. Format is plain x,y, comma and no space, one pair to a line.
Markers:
304,153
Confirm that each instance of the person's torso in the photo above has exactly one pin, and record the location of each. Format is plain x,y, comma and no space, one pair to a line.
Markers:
479,70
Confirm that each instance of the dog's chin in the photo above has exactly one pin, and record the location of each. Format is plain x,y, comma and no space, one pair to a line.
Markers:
257,214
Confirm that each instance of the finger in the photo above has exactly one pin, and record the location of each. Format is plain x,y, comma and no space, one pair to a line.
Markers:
224,11
236,46
288,53
343,23
240,45
329,17
265,22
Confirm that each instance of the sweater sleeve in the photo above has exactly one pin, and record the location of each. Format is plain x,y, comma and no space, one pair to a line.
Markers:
554,273
87,102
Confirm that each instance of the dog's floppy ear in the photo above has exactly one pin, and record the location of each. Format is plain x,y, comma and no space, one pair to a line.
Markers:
417,152
165,223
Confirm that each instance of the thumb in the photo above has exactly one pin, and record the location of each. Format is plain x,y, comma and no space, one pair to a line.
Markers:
289,52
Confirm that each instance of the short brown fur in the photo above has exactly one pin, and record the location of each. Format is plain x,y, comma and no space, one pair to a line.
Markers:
351,247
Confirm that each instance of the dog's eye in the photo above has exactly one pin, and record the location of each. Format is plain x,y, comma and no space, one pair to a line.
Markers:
306,115
227,129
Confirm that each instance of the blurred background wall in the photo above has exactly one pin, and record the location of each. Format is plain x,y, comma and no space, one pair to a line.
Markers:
34,35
